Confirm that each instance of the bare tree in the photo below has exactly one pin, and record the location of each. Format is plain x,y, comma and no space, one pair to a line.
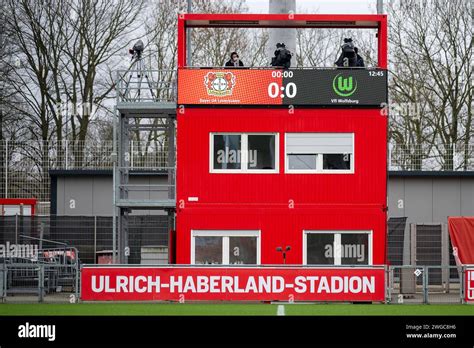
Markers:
431,68
97,32
63,53
210,47
11,125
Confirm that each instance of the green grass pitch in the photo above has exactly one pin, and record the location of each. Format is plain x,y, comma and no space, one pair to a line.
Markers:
230,309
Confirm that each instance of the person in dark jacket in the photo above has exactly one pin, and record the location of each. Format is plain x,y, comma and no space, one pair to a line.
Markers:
234,60
360,60
282,57
348,56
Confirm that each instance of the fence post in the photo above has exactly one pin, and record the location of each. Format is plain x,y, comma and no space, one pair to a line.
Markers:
131,154
389,156
66,154
41,235
78,274
40,283
445,270
16,229
425,284
6,168
95,238
3,281
454,156
5,284
388,284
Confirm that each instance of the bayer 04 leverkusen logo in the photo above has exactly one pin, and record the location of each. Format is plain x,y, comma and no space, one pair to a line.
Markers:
219,83
344,86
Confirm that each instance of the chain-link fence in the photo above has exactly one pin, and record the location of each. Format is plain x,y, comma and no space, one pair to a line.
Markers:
91,235
423,284
24,166
431,157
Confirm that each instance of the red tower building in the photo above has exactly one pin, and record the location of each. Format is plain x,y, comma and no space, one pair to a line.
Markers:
273,162
273,166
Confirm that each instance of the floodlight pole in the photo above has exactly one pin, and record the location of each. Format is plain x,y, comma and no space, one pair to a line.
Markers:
114,180
379,6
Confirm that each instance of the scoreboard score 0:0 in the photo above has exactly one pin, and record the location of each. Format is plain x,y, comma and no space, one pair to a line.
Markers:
298,87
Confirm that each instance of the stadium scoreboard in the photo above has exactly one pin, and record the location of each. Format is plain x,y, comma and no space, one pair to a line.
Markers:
273,87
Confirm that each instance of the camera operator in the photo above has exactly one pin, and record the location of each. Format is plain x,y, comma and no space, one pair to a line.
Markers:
348,57
282,56
137,50
360,60
234,61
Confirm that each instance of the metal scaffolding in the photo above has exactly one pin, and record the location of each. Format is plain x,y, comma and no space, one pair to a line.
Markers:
145,109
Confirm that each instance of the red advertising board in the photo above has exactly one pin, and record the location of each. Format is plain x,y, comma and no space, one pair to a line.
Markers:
469,284
227,86
232,284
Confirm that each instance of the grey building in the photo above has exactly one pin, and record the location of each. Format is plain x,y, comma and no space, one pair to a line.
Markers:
422,197
430,197
90,192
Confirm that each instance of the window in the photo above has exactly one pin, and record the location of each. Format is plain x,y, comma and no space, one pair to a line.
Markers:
337,161
337,248
261,152
208,250
319,153
302,162
225,247
227,154
316,251
249,153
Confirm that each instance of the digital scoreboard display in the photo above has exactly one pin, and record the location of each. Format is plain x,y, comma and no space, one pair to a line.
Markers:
298,87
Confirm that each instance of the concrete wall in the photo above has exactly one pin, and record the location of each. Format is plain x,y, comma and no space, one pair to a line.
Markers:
431,197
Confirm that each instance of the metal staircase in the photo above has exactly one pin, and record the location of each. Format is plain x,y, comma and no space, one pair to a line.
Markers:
145,107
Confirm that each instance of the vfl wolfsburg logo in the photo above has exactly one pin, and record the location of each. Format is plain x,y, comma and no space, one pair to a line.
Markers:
344,86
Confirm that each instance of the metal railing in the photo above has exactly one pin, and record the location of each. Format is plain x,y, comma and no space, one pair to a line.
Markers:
146,86
91,235
51,275
29,282
25,166
150,192
42,282
425,284
451,157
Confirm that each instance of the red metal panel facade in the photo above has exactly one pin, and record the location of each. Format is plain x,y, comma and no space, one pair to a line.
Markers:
281,205
263,201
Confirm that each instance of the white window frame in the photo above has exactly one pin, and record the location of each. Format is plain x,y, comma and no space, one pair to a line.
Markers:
337,240
319,161
244,154
225,234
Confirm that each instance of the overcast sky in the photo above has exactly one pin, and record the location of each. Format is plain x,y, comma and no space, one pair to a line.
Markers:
320,6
